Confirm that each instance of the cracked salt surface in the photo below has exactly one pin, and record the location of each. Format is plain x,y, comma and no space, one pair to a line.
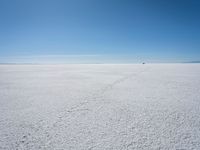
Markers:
99,107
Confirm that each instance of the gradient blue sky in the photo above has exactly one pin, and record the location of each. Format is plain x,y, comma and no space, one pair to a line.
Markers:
99,31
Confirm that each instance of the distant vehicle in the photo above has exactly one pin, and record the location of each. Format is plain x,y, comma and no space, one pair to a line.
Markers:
143,63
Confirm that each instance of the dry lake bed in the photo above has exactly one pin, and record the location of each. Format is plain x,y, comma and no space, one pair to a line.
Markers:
100,107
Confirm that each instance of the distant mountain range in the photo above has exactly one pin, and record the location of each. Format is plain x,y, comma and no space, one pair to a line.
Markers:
193,62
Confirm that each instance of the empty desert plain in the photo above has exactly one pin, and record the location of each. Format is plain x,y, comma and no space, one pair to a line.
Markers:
100,107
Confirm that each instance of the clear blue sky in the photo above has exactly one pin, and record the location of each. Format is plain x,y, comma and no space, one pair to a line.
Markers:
99,31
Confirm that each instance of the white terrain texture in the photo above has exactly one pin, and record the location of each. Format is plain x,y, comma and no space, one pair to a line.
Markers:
100,107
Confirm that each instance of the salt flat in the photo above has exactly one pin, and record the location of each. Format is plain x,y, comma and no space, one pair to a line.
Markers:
100,107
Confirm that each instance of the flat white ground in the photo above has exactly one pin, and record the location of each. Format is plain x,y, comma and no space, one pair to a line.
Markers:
100,107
